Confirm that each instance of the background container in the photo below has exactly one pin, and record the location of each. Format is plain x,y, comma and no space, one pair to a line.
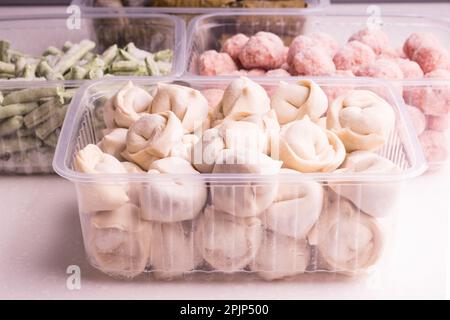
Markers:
214,242
208,32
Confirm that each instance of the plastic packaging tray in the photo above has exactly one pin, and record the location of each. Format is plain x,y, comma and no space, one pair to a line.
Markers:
150,31
209,31
173,249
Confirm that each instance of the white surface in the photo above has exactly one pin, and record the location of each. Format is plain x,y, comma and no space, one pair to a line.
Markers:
40,237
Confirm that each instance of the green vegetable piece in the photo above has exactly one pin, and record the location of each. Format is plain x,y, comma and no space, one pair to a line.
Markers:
4,48
30,94
152,67
18,144
73,55
41,114
6,67
109,54
55,121
164,55
47,71
17,109
10,125
53,51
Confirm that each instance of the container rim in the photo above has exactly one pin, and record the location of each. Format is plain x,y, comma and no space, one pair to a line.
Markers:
195,23
179,27
74,115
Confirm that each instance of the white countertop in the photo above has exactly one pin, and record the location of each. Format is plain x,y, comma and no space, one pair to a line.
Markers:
40,237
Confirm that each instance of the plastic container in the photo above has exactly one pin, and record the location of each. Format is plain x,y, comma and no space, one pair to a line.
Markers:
150,32
209,31
212,242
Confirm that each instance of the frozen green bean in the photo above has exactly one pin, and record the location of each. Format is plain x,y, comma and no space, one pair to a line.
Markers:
17,109
24,132
109,54
6,67
53,51
152,67
67,45
30,94
52,139
18,144
76,73
41,114
56,119
125,66
164,55
73,55
10,125
47,71
4,48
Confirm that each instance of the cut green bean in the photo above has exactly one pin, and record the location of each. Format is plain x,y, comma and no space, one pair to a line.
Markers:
10,125
76,73
53,51
43,113
73,55
31,94
164,55
109,54
67,45
152,67
6,75
29,71
24,132
1,98
125,66
52,139
95,74
164,67
18,144
17,109
55,121
47,71
88,56
6,67
128,57
4,48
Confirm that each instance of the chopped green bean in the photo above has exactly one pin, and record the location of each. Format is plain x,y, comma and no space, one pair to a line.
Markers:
30,94
17,109
18,144
10,125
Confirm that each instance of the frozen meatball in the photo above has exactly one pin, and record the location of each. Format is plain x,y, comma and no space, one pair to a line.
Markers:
417,40
334,91
431,58
435,145
438,73
325,41
380,68
418,119
299,44
264,50
438,123
256,72
376,39
410,69
313,61
277,73
353,55
234,45
213,63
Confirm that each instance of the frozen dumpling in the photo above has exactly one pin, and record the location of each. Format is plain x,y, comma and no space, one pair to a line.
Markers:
306,147
280,256
152,137
97,196
119,241
294,101
244,96
375,199
183,149
173,252
228,243
244,198
295,209
114,142
188,104
128,105
361,119
347,239
172,199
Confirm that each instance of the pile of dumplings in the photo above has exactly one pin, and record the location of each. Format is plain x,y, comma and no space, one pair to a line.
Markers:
228,187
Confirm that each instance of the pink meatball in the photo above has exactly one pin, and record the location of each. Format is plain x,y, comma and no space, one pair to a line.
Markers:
212,63
438,123
325,41
256,72
380,68
333,91
353,55
277,73
431,58
438,73
240,72
376,39
410,69
264,50
313,61
417,40
234,45
418,119
299,43
435,145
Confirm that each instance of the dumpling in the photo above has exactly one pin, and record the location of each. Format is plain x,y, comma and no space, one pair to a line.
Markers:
306,147
294,101
114,142
172,199
374,199
152,137
361,119
183,149
173,252
244,198
348,240
228,243
188,104
119,241
295,209
229,135
97,196
134,187
127,106
280,256
244,96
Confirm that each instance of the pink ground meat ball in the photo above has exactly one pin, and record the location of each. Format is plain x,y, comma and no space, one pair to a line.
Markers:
299,44
313,61
431,58
380,68
438,73
432,100
256,73
438,123
353,55
435,145
410,69
417,40
212,63
418,119
234,45
334,91
277,73
376,39
264,50
325,41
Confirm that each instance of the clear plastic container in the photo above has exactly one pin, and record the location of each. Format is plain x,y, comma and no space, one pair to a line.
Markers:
197,238
150,32
208,32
